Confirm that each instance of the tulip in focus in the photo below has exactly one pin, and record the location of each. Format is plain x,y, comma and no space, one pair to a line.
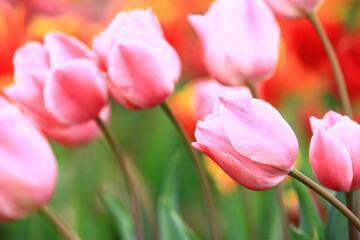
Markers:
60,85
27,165
249,140
335,153
194,103
240,40
294,8
142,67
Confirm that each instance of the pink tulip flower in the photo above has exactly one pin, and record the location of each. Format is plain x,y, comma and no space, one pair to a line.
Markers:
142,67
27,165
249,140
61,86
206,92
294,8
240,40
334,152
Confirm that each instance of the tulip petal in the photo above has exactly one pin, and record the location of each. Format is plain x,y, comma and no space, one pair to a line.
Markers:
143,74
330,161
76,135
76,92
212,140
63,48
232,37
348,133
27,165
216,59
28,92
329,120
257,178
206,93
138,24
31,55
294,8
137,18
258,131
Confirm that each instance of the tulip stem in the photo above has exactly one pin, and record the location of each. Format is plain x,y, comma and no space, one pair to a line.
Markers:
199,168
59,223
344,97
284,220
248,201
122,160
353,235
326,195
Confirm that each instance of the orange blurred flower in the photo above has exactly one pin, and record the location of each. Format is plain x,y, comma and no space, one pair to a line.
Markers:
12,34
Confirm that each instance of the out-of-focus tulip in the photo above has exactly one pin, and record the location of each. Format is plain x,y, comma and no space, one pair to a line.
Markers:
142,67
294,8
172,15
249,140
59,84
240,40
334,152
27,165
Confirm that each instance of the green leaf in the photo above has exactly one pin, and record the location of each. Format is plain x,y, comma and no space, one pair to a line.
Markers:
122,217
336,224
172,226
297,234
310,221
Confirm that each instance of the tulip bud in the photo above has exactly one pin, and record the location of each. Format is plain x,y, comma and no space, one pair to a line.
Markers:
60,85
143,68
334,152
27,165
249,140
240,40
294,8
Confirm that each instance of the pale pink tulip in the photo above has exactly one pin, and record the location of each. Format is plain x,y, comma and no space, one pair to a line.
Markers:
249,140
335,153
294,8
60,85
240,40
142,67
206,92
27,165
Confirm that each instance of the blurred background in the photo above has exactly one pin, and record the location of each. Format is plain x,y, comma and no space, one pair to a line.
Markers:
89,190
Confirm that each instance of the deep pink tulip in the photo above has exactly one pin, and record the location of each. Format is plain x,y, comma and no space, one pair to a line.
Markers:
249,140
27,165
60,85
240,40
335,153
142,67
294,8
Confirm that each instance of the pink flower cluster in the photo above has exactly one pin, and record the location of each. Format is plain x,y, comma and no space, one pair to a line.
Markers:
63,85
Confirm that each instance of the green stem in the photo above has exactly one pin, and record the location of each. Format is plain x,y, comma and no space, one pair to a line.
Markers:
246,195
60,225
283,217
349,202
344,97
279,187
122,160
200,170
253,90
326,195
